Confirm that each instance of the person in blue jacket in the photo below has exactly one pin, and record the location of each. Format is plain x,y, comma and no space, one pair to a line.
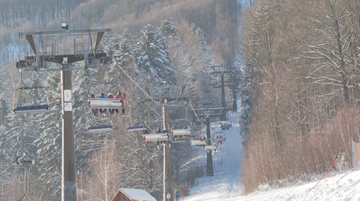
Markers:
102,111
177,195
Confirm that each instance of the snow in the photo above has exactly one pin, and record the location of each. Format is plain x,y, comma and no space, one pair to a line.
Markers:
226,184
137,194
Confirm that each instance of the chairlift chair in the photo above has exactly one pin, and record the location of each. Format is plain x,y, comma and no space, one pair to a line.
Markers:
210,147
225,125
198,143
99,128
218,137
181,132
105,103
20,108
157,138
180,135
178,140
136,128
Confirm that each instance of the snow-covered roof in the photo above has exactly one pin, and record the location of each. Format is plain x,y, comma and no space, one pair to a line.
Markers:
137,194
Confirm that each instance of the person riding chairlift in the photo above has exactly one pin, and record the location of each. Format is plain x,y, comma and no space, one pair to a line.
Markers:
95,111
119,96
111,110
102,111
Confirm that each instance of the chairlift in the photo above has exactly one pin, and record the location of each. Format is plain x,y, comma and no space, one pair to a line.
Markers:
225,125
198,142
181,132
210,147
99,128
180,135
106,103
136,128
218,137
178,140
20,107
157,138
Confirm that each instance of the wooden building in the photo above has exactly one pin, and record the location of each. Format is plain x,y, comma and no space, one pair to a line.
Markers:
127,194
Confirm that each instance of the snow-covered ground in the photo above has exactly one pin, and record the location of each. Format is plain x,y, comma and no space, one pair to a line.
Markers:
226,184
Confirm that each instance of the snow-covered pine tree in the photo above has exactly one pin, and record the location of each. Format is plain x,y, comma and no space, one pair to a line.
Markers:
140,163
153,58
48,141
169,29
193,59
85,142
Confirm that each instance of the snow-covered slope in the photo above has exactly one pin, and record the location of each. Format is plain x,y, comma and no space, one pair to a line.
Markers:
226,185
226,180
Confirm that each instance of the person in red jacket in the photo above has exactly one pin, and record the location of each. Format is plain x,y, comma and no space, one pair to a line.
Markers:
123,99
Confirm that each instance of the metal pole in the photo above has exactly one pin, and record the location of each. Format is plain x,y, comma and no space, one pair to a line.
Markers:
26,183
234,101
223,115
68,186
168,185
209,164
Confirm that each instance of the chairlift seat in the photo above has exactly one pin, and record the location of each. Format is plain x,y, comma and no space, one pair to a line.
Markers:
156,137
198,143
100,128
136,128
210,147
219,139
106,103
225,125
31,109
181,131
179,140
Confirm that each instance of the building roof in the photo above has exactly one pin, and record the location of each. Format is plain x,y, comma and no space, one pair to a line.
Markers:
137,194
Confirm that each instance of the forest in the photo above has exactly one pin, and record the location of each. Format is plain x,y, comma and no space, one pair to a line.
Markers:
303,61
298,82
181,53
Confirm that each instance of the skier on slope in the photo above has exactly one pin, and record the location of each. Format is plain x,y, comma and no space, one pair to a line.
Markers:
177,195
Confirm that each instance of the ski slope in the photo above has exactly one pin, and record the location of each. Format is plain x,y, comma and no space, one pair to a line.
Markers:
226,185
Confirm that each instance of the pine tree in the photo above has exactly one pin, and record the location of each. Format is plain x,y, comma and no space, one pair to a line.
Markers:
153,58
49,142
168,28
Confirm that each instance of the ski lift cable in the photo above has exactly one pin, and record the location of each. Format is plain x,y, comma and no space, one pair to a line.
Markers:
194,110
152,108
11,65
137,84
